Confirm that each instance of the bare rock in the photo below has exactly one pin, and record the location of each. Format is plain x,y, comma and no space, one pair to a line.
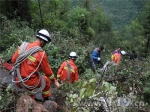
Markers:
51,106
27,104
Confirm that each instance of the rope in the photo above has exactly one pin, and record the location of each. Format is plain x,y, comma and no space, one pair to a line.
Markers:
16,70
68,65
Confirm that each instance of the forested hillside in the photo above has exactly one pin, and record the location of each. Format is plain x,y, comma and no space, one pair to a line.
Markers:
81,26
121,12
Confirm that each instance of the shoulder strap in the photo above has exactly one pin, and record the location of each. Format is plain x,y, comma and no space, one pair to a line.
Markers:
24,54
16,68
68,65
23,47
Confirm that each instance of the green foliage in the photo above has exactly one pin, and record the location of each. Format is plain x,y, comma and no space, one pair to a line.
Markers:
121,12
72,21
87,88
20,32
90,32
81,28
144,17
77,18
6,97
133,30
89,93
14,9
99,22
128,38
52,16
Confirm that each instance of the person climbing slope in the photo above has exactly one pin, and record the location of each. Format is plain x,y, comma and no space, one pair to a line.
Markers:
28,60
68,71
95,57
115,60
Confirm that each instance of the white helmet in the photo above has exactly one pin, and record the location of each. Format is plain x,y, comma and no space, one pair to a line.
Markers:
123,52
44,34
73,55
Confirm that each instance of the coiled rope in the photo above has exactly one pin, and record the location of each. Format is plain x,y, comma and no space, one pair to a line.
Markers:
16,70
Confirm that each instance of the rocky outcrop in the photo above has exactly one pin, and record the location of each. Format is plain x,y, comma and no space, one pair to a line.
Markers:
51,106
27,104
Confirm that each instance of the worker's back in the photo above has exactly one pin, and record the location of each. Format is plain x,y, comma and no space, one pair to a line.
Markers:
116,58
63,71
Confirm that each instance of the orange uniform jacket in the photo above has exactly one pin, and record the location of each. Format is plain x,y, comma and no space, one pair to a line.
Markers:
116,57
31,63
63,72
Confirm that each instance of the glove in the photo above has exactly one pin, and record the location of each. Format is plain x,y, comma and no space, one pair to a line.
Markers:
98,58
57,84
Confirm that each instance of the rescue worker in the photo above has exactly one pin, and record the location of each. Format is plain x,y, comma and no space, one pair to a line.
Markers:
115,60
117,56
68,71
95,57
36,62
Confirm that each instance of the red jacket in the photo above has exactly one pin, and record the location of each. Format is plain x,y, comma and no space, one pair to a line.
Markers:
63,72
116,58
31,63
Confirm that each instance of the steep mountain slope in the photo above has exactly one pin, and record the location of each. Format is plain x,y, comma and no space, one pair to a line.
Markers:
121,12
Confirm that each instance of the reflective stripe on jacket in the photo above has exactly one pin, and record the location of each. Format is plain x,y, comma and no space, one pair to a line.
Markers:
63,71
31,63
116,57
